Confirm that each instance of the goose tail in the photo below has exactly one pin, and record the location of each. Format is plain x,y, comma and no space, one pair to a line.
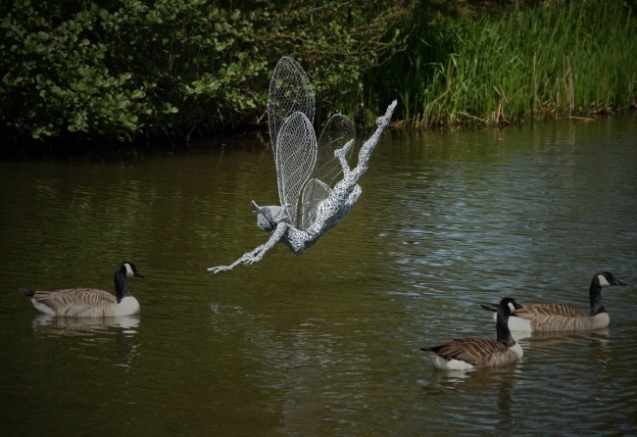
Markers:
27,292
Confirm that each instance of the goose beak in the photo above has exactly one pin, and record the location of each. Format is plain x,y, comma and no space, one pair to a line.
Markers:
139,275
618,282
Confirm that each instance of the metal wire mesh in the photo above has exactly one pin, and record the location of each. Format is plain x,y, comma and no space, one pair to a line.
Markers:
314,191
337,132
291,94
290,120
290,91
295,159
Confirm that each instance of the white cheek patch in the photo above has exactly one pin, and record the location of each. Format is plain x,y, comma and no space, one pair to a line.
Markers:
511,307
129,270
603,282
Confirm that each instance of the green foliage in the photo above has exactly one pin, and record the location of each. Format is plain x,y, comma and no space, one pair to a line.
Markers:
127,69
547,60
122,69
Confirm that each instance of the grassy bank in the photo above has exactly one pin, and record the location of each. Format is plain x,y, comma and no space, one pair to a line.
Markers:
552,60
182,69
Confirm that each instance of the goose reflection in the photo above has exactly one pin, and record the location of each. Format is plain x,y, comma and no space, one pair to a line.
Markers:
487,383
481,378
550,341
94,337
51,325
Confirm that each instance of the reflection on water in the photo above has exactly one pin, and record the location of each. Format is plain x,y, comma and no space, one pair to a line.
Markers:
46,324
442,381
95,335
323,343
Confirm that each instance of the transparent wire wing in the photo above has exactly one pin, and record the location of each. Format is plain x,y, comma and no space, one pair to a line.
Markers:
295,157
315,190
290,91
337,132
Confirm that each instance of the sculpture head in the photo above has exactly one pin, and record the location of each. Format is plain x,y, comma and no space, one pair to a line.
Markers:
268,217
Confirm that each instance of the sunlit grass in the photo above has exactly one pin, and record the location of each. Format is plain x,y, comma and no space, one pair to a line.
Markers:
573,58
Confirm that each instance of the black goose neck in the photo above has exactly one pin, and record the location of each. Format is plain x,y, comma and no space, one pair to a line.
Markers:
121,285
502,329
595,294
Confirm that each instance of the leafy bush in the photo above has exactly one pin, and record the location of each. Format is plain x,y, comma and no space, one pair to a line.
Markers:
130,68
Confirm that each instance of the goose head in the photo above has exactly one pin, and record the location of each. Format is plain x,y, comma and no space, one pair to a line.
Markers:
600,280
124,270
606,279
128,269
508,305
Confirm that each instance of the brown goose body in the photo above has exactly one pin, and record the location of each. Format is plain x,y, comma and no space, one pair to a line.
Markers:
476,351
472,352
555,317
543,317
77,302
89,302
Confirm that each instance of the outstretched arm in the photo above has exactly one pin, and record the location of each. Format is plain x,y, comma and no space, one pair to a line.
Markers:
256,254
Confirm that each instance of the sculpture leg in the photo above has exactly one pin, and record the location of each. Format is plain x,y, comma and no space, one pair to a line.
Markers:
341,155
368,146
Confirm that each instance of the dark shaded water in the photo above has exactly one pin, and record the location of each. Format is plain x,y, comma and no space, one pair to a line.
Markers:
325,343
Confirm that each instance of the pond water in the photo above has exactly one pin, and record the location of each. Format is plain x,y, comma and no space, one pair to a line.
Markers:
325,343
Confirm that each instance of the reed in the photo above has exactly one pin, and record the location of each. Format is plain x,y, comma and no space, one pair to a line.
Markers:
555,59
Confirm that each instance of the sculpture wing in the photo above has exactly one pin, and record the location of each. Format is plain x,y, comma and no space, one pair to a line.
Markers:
314,191
295,157
337,132
290,91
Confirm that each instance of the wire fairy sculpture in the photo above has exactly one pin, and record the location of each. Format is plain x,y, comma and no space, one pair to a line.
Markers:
307,168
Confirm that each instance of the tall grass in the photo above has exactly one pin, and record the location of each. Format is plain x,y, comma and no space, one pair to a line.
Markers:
558,58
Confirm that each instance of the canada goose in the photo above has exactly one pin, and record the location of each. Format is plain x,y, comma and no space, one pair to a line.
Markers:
554,317
89,302
471,352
